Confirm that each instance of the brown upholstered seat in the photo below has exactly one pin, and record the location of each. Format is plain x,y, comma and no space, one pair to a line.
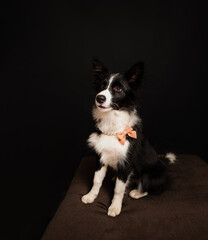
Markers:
179,213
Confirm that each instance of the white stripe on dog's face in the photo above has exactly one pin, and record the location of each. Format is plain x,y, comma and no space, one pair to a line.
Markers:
108,96
106,106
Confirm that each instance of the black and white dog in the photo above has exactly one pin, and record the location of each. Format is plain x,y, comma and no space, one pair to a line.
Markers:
118,140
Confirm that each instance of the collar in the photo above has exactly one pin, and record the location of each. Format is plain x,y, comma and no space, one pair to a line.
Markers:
121,136
109,133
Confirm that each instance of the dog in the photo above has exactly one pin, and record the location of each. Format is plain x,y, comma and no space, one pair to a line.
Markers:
118,140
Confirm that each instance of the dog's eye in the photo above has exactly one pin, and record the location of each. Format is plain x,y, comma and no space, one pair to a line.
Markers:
117,89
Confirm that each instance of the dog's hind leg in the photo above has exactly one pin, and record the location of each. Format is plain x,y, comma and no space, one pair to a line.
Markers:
138,192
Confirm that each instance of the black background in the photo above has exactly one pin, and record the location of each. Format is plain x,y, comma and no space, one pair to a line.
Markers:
46,93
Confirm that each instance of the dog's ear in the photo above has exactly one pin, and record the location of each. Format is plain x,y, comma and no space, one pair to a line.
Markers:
135,74
99,71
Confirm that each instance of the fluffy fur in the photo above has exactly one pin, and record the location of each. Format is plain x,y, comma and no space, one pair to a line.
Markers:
136,162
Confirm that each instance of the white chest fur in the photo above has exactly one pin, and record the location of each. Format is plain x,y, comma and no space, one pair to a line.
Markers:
109,148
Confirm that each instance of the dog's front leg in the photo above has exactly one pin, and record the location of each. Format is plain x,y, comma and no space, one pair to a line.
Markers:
97,183
119,190
115,207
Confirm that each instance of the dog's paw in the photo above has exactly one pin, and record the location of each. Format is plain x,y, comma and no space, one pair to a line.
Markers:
114,211
88,198
136,194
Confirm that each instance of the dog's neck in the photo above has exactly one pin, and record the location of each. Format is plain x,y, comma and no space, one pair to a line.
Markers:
114,121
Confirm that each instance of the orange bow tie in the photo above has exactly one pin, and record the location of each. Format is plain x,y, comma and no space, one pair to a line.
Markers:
122,135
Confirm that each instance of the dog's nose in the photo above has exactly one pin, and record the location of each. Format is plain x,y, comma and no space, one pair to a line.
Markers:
100,98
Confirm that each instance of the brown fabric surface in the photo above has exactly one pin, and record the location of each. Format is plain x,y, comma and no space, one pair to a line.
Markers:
179,213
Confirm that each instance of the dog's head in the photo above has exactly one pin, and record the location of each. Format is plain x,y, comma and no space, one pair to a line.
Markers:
115,90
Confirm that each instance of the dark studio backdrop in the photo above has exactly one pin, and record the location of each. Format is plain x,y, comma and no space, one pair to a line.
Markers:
46,94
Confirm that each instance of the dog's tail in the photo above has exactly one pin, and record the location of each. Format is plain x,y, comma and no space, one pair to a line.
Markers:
171,157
